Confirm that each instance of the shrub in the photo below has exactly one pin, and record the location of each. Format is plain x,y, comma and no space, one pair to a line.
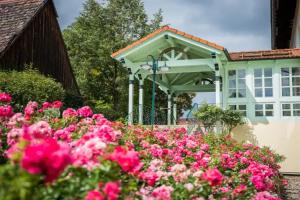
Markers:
211,116
30,85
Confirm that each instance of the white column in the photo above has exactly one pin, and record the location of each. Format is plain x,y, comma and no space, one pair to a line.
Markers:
174,111
130,99
169,108
218,86
141,101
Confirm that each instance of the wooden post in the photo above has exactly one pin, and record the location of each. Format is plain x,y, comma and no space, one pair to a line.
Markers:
130,99
141,101
169,108
174,110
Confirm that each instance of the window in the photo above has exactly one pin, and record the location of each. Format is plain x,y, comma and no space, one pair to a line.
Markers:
264,110
263,82
290,81
241,108
237,83
290,109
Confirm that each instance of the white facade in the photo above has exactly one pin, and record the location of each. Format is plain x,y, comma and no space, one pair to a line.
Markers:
273,115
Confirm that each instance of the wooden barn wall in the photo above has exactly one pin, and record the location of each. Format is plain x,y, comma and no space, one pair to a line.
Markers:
41,44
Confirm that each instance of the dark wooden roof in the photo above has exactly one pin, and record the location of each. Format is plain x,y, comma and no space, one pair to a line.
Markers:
30,34
15,14
282,19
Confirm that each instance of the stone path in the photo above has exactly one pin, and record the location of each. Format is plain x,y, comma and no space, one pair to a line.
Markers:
293,190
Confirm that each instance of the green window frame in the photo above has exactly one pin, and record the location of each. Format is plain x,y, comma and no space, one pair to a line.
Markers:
290,81
242,108
237,83
290,109
263,82
264,110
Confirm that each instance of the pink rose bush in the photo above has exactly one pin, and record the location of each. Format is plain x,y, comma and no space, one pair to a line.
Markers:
80,155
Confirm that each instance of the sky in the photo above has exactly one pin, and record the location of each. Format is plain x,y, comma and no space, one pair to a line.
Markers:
238,25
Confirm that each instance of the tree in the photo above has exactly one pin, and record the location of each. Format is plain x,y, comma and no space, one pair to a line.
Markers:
100,30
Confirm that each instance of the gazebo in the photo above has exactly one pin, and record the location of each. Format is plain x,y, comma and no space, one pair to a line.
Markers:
184,63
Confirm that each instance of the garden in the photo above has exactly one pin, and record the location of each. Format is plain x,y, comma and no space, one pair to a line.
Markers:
48,152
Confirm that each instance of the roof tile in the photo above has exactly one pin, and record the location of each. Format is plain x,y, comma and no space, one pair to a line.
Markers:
266,54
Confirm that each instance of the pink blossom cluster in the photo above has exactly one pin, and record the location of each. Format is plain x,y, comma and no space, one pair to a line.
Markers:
5,98
213,176
163,163
127,159
30,109
260,176
6,111
49,105
111,191
46,157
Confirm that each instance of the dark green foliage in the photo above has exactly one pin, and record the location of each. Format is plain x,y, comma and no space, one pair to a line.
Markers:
72,101
30,85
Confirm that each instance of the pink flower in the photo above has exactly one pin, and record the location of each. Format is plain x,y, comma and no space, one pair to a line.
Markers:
204,147
189,186
5,98
264,196
213,176
6,111
258,182
63,135
85,111
69,113
112,190
163,192
30,109
47,157
240,189
94,195
46,105
13,136
150,177
57,104
40,129
128,160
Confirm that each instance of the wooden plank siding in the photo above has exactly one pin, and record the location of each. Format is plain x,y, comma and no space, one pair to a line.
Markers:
41,44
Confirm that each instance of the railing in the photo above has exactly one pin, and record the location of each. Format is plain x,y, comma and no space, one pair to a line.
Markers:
160,118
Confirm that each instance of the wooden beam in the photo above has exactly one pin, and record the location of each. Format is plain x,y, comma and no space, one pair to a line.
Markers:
159,82
176,77
193,88
185,63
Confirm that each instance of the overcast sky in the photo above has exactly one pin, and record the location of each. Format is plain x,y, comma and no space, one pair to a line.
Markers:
238,25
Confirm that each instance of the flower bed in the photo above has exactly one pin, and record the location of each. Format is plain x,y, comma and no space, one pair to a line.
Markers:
81,155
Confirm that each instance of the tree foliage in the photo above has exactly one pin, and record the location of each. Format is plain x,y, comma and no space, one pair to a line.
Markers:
100,30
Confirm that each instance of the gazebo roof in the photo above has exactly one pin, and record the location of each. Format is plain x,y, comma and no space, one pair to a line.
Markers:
168,29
